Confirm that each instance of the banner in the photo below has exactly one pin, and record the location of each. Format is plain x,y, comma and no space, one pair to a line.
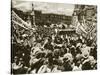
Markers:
16,19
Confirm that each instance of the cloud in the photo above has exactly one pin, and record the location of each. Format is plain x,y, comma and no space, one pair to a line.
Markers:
45,7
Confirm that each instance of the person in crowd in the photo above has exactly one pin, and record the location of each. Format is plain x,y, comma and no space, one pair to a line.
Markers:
68,62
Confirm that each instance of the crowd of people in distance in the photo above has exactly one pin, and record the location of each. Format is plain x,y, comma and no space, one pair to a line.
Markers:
36,53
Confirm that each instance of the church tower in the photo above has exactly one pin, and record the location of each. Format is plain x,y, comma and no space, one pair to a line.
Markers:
33,16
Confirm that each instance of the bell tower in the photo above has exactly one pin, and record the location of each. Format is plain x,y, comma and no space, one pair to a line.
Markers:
33,16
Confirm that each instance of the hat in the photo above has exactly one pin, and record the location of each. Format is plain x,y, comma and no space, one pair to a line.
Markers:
15,57
92,60
21,59
78,45
24,35
84,45
78,56
68,56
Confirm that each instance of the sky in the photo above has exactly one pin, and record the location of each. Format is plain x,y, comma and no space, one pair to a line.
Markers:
56,8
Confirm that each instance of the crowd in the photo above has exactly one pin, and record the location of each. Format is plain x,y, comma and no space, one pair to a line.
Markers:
36,53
